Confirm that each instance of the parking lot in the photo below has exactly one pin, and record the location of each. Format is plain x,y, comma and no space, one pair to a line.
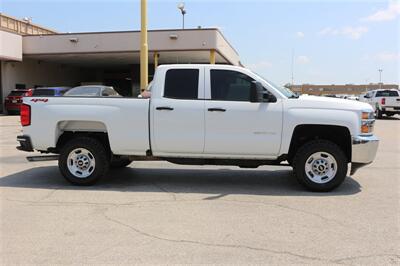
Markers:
156,212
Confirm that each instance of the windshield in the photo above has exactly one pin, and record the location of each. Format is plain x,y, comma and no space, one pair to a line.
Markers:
43,92
17,93
285,91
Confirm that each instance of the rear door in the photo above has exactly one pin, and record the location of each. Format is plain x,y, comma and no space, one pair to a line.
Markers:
178,115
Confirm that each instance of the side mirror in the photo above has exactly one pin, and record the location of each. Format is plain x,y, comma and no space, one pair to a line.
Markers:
259,94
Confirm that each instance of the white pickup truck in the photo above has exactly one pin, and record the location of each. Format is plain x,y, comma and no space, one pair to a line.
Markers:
384,102
203,115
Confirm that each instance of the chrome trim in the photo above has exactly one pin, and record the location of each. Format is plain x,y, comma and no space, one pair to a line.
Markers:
364,149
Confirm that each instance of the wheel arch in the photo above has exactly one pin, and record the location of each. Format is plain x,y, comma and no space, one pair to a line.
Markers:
340,135
67,136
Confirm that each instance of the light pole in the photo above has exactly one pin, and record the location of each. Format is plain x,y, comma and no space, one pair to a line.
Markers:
292,67
380,78
181,7
144,49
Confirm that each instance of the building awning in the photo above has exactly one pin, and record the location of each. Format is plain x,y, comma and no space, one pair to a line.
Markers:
122,48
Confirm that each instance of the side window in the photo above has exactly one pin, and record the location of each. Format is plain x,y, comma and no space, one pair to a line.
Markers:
110,92
227,85
181,84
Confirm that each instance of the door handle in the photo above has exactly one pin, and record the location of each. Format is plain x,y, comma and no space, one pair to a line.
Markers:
216,109
164,108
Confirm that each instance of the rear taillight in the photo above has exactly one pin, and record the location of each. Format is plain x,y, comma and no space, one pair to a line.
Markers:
29,93
383,101
25,112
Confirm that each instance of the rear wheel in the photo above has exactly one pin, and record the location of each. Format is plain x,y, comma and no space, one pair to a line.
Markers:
83,161
320,165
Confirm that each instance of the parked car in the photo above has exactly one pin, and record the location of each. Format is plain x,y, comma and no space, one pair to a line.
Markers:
353,98
92,91
50,91
13,101
383,101
199,115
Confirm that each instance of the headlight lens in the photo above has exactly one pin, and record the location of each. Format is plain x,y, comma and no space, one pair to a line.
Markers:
367,122
367,115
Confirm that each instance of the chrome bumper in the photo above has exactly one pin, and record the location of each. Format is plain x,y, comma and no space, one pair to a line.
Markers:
364,150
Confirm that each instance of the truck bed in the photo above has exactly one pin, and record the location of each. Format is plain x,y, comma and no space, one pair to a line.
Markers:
125,120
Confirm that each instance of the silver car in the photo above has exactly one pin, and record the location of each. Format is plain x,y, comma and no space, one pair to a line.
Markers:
92,91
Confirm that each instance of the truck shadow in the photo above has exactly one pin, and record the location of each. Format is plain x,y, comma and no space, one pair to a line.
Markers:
389,118
221,181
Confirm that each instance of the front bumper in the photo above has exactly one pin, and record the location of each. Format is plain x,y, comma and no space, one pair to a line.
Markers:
364,150
25,143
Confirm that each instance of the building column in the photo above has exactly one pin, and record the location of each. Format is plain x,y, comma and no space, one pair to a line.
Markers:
144,52
156,55
212,56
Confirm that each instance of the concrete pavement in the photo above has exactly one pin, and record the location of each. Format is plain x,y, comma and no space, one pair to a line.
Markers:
156,212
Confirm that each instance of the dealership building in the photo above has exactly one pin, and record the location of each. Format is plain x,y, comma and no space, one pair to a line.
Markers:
33,56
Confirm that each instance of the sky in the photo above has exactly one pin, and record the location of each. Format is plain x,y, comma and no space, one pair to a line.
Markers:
329,42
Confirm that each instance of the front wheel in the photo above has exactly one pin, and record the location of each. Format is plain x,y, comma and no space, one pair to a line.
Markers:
83,161
320,165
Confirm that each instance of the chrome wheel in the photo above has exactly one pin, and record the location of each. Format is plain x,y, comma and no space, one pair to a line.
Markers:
81,163
321,167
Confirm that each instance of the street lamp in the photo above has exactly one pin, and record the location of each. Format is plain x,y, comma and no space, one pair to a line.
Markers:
380,78
181,7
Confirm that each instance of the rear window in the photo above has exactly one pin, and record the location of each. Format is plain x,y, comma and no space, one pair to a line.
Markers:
17,93
387,93
182,84
43,92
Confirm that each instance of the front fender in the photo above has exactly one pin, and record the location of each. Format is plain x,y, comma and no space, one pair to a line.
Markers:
294,117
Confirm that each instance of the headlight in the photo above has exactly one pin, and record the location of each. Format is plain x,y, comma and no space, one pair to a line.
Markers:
367,122
367,115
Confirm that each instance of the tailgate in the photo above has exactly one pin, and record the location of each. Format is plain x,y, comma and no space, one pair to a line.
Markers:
392,101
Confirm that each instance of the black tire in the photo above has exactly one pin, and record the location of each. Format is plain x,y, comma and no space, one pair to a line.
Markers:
120,162
378,113
316,146
97,151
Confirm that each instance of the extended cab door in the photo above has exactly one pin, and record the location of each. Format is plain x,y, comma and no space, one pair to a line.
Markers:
177,112
235,126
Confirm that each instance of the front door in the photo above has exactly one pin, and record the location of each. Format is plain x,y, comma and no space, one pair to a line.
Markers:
235,125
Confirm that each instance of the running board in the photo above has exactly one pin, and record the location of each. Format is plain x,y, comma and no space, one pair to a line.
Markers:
42,158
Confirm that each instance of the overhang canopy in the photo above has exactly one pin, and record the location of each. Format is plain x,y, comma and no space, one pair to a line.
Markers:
121,48
10,46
